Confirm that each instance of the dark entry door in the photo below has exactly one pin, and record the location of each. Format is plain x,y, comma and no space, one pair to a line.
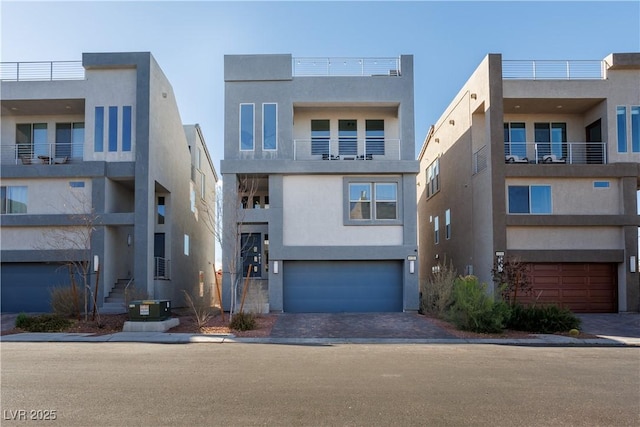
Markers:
251,253
595,148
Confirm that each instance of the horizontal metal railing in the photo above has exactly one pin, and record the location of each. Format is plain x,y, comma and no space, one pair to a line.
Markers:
41,71
29,154
556,152
346,149
162,268
346,67
480,159
553,70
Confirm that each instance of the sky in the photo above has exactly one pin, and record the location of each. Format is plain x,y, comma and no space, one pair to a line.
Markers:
189,39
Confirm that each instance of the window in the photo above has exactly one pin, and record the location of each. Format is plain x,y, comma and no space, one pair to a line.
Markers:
447,224
635,129
14,199
269,127
622,129
436,230
347,137
246,127
551,138
113,128
98,137
198,158
161,210
192,196
534,199
203,187
601,184
31,140
433,178
77,139
186,244
372,202
126,128
374,137
76,184
515,138
320,134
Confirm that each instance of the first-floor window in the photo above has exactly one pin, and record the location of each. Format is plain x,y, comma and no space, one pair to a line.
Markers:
186,244
14,199
529,199
360,201
373,201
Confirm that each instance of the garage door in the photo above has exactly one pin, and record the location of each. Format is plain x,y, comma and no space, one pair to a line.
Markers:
26,286
342,286
580,287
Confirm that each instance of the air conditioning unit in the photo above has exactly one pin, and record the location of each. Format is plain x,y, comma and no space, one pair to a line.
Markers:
149,310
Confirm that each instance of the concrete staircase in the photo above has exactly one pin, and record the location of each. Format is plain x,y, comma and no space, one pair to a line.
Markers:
114,303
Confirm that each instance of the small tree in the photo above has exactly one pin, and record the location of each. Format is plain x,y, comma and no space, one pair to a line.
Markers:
436,291
512,279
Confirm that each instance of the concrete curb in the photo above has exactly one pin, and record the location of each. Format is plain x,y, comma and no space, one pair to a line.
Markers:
540,340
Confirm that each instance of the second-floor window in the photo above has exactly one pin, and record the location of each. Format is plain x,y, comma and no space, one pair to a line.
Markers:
551,139
247,122
31,139
14,199
269,127
515,138
529,199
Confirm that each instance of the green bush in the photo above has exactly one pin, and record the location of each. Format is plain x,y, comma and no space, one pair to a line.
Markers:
435,292
474,310
542,319
42,323
243,321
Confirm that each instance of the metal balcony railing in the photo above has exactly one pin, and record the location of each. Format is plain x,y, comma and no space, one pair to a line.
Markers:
162,268
29,154
41,71
338,67
556,152
346,149
554,70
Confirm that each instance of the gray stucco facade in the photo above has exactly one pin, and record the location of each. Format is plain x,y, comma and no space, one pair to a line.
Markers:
128,148
282,173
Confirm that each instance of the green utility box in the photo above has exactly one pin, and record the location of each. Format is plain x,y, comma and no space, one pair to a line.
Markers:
149,310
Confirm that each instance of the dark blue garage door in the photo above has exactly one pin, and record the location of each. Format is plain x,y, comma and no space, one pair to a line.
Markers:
342,286
26,286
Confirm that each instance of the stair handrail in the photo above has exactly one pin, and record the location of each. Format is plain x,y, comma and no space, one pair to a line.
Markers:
125,291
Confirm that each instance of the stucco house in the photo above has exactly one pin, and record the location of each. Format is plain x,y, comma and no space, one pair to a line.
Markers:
99,145
319,173
539,161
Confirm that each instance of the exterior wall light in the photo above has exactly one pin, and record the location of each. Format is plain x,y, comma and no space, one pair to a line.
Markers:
275,267
474,96
452,122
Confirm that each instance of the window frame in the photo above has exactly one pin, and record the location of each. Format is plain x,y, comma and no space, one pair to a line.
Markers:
372,181
531,209
447,224
436,230
264,123
253,126
621,129
433,178
4,196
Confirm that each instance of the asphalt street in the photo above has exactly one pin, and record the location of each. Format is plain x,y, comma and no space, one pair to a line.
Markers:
238,384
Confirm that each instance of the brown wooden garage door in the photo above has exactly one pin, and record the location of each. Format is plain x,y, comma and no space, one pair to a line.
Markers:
580,287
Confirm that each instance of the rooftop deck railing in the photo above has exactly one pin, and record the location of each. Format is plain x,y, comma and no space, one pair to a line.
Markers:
41,71
30,154
554,70
346,149
556,152
338,67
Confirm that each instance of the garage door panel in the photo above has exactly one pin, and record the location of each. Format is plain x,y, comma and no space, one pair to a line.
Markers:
26,287
342,286
581,287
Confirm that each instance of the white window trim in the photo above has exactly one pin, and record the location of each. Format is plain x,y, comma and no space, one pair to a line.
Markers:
372,181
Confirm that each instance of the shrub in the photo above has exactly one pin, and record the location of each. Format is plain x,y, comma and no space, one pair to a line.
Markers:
243,321
542,319
435,292
42,323
65,301
472,309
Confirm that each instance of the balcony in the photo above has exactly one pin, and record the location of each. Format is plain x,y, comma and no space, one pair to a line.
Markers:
575,153
41,71
162,269
342,67
554,70
29,154
346,149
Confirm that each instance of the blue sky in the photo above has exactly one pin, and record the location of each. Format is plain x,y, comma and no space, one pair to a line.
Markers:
189,39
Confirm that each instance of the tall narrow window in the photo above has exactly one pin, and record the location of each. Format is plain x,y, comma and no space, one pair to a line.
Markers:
77,140
63,140
515,139
374,137
436,230
161,210
447,224
246,127
320,137
126,128
635,129
113,128
347,137
433,178
40,143
269,127
622,129
98,139
186,244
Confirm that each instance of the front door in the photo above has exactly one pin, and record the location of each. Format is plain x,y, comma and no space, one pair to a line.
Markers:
251,253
